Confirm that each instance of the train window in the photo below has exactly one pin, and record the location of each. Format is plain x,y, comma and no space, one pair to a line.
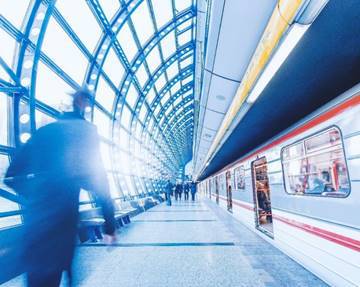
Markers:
239,174
316,166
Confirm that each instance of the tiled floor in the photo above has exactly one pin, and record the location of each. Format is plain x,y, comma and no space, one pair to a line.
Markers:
187,244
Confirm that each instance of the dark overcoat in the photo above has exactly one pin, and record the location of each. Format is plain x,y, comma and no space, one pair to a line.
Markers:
48,172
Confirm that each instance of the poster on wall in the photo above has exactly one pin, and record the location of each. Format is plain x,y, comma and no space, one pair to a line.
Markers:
239,177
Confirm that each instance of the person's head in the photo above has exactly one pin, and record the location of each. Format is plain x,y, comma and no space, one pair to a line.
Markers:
82,100
325,175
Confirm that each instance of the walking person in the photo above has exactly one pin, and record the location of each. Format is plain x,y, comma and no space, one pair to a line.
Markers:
176,191
181,187
193,191
48,172
186,191
168,192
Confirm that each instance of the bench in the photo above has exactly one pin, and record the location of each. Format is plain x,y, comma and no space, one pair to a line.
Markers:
123,210
90,223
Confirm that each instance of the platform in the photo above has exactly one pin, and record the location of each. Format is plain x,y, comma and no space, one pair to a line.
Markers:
187,244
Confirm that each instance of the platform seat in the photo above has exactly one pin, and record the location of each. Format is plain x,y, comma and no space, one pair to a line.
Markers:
90,223
123,211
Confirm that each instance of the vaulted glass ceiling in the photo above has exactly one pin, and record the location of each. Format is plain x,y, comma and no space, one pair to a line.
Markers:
138,58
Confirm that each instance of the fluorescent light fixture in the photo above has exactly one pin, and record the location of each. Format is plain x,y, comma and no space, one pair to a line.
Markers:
288,44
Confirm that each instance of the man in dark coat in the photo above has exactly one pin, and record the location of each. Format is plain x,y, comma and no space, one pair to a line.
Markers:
48,172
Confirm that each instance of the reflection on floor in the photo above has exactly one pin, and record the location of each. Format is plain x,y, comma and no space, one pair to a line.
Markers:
171,246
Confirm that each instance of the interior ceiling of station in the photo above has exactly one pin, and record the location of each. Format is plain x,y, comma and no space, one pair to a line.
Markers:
234,31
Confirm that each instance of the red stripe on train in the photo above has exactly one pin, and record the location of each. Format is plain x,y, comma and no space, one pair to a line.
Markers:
350,103
237,203
325,234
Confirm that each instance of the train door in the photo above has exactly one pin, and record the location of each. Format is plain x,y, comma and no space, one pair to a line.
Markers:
217,188
262,199
210,187
228,191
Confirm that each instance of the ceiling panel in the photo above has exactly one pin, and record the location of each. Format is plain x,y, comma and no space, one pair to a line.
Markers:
221,94
236,46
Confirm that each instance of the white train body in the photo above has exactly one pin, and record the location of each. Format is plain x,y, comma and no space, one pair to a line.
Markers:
310,174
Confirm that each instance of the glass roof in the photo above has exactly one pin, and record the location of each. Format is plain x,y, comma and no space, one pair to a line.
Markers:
138,58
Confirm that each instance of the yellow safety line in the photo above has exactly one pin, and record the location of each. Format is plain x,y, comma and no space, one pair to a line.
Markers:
282,17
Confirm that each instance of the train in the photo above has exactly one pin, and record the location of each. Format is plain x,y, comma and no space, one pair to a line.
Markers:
301,190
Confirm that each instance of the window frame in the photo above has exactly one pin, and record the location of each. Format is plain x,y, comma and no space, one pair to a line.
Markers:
239,168
302,140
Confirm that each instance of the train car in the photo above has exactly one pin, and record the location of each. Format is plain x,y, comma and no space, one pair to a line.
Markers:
301,190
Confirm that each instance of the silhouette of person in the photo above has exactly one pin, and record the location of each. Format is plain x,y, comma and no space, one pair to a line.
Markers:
48,172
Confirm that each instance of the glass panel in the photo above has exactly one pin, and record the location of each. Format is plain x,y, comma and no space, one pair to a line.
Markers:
124,139
165,98
4,119
150,96
10,221
42,119
177,101
188,61
182,4
4,164
173,70
160,83
157,110
60,48
81,25
153,59
7,50
185,25
109,7
102,122
143,112
163,11
169,109
7,205
321,170
132,96
127,42
143,23
52,90
84,197
105,95
130,185
113,67
14,11
114,191
187,80
142,75
168,45
126,117
175,88
184,37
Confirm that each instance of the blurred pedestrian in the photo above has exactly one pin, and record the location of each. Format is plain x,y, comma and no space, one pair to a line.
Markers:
193,191
49,171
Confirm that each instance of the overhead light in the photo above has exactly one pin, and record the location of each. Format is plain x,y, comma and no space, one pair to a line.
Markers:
288,44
